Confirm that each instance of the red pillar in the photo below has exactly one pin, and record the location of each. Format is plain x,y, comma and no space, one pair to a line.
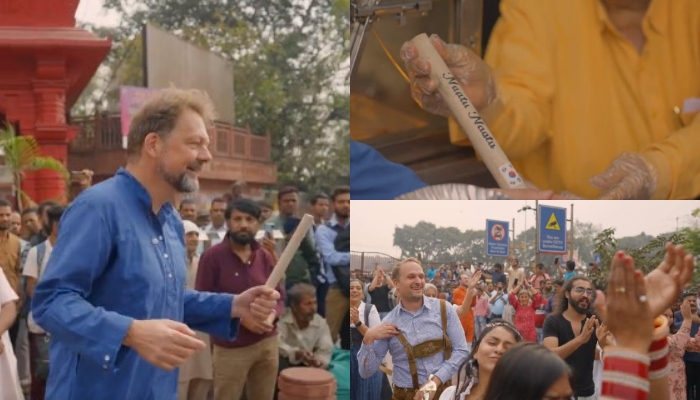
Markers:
43,72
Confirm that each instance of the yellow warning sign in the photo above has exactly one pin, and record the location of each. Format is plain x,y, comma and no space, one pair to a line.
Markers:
553,224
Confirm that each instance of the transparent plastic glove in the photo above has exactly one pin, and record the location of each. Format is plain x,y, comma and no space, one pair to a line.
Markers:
566,195
628,177
473,74
530,194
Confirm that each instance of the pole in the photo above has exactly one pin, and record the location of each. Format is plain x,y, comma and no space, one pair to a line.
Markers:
512,244
527,243
362,263
571,247
537,231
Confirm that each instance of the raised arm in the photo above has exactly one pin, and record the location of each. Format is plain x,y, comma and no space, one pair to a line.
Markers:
375,345
466,305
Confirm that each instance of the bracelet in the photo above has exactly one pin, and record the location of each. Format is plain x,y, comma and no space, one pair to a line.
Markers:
658,350
614,391
625,375
626,366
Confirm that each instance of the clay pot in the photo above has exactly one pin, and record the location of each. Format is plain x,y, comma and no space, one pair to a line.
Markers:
303,383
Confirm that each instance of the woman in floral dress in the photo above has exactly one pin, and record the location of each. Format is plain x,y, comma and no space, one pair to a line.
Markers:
525,310
678,343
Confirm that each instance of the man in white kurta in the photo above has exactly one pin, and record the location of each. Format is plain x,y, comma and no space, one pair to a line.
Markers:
10,388
196,375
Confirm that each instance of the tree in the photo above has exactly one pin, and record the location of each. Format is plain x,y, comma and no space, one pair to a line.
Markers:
692,241
289,57
22,155
646,258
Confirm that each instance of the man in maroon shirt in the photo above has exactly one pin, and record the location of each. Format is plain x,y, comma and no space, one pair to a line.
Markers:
232,266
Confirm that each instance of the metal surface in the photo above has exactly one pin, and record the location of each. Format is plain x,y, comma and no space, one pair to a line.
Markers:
467,22
374,75
358,35
382,108
363,13
453,191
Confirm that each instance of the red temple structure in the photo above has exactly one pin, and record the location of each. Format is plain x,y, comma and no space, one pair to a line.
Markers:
45,63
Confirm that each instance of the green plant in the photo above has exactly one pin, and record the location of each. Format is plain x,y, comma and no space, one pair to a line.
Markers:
22,155
646,258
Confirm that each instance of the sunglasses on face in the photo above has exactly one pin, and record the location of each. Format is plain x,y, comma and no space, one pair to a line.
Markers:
581,290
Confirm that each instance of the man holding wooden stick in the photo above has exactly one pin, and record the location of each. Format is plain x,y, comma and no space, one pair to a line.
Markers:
113,296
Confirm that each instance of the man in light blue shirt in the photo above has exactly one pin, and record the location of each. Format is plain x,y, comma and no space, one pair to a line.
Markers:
337,303
419,319
498,301
113,294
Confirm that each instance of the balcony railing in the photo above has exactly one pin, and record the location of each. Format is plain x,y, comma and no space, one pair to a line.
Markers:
95,133
103,132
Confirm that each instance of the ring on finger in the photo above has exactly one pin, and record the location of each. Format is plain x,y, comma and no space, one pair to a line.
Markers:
643,298
620,290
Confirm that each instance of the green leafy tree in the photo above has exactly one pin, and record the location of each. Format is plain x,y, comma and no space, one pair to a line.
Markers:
22,155
290,72
646,257
692,241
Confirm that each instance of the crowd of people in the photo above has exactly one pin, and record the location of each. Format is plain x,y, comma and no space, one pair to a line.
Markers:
139,294
585,344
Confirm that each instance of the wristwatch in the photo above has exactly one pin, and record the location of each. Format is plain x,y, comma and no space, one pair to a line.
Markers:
358,324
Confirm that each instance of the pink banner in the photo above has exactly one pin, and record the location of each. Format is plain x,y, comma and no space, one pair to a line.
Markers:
131,100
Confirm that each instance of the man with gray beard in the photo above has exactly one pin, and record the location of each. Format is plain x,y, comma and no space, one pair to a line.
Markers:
113,296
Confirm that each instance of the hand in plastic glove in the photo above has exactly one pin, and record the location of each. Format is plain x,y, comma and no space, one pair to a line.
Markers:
474,75
629,176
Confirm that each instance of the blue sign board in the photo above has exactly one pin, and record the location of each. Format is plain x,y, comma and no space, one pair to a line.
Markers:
497,238
552,229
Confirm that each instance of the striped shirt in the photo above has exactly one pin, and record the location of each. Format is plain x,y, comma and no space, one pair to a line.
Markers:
418,327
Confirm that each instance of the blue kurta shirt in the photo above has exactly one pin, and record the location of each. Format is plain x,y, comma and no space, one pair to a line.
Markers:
116,261
373,177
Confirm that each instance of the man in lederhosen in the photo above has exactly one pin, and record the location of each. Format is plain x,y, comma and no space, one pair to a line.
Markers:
424,335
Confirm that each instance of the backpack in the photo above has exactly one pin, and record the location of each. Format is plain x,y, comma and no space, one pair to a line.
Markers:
368,308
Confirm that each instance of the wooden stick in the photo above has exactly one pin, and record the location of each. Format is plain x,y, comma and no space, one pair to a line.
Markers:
280,269
468,118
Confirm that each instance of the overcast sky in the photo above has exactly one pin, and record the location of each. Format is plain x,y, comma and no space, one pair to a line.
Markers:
91,11
374,221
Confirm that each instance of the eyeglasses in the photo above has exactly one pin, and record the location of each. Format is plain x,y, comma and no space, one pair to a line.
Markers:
580,290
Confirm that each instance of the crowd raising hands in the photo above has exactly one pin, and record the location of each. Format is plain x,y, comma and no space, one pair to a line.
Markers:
631,329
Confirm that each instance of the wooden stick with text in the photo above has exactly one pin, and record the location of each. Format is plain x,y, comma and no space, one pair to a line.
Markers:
468,118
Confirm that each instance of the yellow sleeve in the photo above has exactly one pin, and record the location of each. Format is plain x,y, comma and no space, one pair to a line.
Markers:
520,52
677,163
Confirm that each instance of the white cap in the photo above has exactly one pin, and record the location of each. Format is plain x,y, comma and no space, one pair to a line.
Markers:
190,227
